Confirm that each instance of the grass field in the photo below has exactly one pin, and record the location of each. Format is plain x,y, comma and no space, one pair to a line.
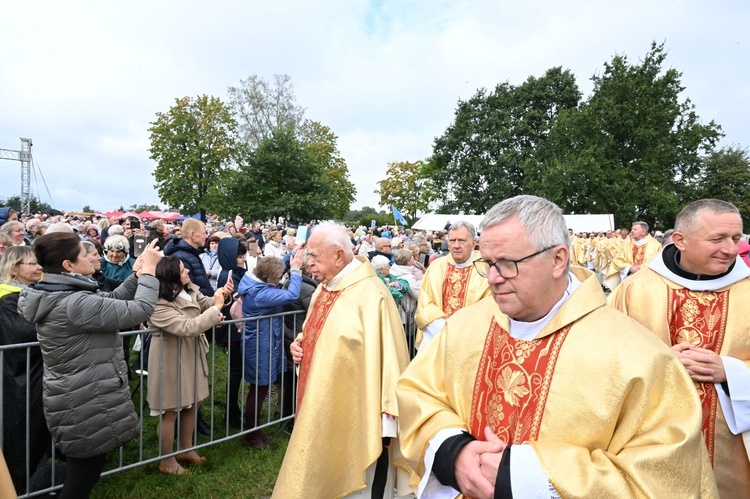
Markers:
231,470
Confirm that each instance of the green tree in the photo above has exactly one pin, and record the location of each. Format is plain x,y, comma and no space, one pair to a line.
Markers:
87,209
144,207
407,188
633,149
194,144
35,205
280,179
320,142
491,148
726,175
366,215
262,108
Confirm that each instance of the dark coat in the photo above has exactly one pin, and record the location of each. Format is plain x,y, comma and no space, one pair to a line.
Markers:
86,395
228,248
16,380
264,345
191,258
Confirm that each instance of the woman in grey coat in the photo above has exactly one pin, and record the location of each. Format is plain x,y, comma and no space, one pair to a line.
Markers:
86,397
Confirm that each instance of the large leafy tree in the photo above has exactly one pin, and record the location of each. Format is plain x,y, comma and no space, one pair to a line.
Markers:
321,145
491,148
633,149
194,144
263,108
726,175
280,179
407,187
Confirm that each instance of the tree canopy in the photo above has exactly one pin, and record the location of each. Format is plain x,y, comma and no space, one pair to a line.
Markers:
406,187
725,174
35,205
194,144
484,156
633,148
262,108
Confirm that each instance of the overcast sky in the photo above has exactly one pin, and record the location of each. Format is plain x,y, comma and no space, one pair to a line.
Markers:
84,79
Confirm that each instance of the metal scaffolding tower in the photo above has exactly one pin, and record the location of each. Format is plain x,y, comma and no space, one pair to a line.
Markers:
24,156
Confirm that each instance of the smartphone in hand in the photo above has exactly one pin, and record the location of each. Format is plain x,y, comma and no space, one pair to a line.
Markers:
140,245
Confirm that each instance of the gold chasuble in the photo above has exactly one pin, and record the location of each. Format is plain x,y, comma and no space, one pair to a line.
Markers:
446,288
354,352
629,255
712,319
606,406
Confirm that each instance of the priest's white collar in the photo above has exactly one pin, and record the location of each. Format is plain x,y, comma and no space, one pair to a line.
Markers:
349,267
739,271
527,331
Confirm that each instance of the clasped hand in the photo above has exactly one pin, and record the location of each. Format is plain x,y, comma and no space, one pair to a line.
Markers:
477,465
703,365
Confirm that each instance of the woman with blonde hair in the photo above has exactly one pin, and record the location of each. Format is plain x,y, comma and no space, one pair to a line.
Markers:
18,269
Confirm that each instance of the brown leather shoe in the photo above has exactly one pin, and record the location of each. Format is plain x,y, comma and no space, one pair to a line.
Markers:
180,471
192,461
258,441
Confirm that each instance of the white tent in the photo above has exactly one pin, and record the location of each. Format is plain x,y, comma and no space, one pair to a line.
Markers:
579,223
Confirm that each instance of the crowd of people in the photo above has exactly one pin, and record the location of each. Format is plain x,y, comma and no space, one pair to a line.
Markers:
424,357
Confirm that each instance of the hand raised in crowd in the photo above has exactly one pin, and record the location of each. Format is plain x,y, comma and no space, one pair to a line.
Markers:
128,233
146,263
298,258
296,349
223,294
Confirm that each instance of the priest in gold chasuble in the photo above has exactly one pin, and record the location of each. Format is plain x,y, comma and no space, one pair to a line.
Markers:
352,351
542,390
634,254
695,296
450,283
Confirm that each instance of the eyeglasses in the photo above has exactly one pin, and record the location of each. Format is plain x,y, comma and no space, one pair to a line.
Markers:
30,263
508,269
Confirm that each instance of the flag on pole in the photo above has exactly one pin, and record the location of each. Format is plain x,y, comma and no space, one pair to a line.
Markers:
398,216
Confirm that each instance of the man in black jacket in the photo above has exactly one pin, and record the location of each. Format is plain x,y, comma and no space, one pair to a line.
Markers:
188,249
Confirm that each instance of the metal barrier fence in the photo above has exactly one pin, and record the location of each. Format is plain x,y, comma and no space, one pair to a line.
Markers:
19,450
22,437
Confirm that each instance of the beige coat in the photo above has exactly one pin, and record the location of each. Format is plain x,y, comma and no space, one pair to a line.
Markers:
182,323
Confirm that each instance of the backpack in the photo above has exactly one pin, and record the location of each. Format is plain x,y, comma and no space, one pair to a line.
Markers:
235,311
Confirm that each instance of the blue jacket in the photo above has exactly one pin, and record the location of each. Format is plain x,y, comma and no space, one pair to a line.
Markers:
264,345
191,259
228,247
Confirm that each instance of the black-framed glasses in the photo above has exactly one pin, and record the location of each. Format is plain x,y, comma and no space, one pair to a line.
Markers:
508,269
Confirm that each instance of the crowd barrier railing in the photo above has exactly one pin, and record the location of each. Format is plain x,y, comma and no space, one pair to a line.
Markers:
21,411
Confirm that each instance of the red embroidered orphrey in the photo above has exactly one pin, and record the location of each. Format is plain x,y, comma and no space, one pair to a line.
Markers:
315,323
512,384
700,318
454,288
638,254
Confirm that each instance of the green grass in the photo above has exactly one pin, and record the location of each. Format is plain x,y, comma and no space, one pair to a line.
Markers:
231,470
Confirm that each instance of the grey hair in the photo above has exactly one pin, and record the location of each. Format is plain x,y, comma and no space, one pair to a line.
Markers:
116,229
117,243
543,220
687,219
89,246
402,256
335,235
469,227
380,262
641,224
419,238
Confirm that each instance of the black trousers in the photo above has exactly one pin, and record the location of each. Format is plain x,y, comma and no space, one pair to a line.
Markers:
81,476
